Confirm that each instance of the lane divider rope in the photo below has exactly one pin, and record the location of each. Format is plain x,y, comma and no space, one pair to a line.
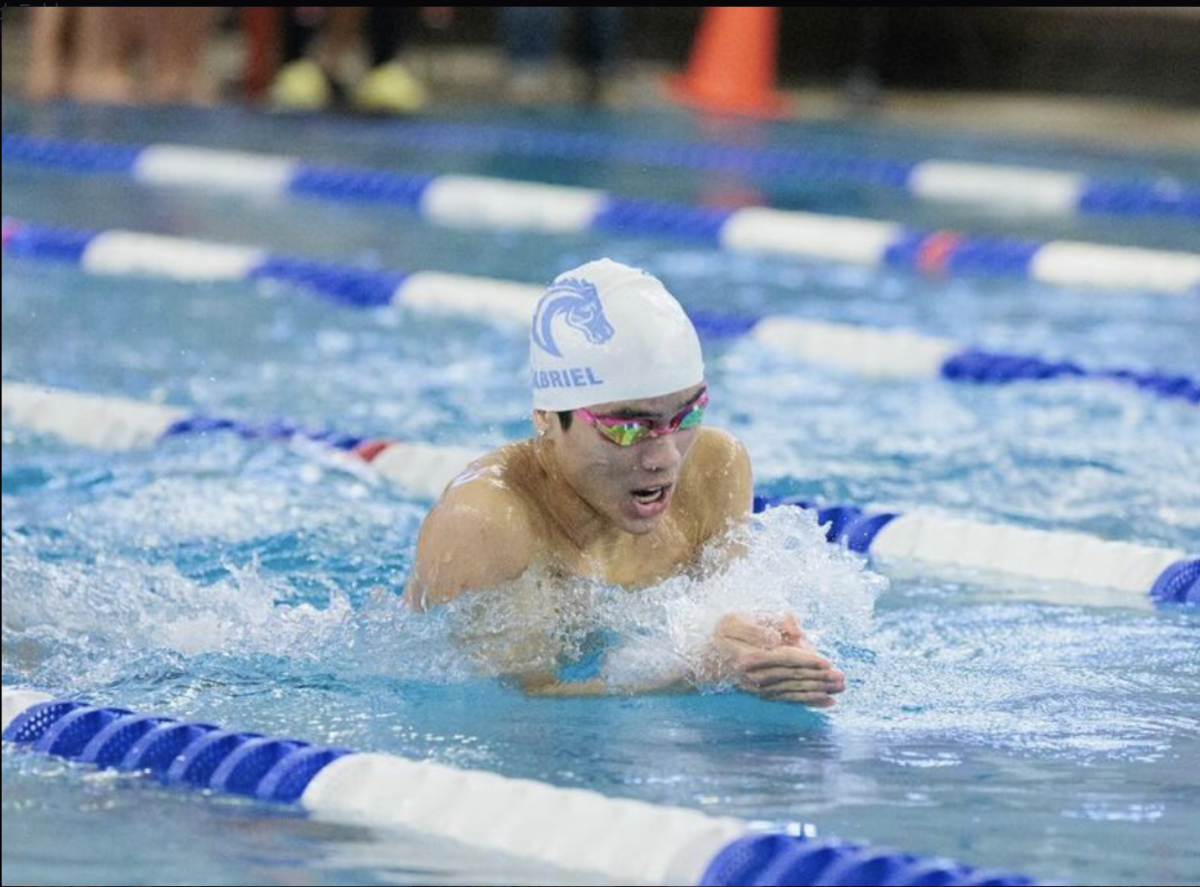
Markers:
990,186
1079,563
632,842
477,201
874,353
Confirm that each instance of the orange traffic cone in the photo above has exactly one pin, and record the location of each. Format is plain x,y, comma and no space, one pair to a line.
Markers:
732,68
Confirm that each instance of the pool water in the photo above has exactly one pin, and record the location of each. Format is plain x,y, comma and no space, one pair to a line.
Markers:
256,585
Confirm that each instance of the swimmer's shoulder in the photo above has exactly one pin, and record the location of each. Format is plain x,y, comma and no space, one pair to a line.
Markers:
717,460
490,492
718,483
480,534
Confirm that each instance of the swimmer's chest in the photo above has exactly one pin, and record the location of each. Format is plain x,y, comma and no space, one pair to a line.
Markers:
634,562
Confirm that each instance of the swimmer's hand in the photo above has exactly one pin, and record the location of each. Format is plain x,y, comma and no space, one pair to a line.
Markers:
772,659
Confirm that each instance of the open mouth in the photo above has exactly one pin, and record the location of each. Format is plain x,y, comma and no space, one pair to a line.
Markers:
651,495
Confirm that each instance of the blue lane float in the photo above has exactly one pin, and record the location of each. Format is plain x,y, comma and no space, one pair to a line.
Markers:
643,842
477,201
192,755
870,352
998,368
1076,565
1178,584
784,859
1023,187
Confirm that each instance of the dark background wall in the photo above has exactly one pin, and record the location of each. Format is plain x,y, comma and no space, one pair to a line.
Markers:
1151,52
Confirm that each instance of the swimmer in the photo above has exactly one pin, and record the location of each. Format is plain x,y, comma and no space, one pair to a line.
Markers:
621,483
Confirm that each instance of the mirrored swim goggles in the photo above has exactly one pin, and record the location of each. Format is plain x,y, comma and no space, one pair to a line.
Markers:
625,432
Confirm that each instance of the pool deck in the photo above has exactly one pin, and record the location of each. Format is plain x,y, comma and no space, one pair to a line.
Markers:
469,75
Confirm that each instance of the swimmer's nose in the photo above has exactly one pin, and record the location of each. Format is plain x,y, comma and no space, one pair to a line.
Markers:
659,454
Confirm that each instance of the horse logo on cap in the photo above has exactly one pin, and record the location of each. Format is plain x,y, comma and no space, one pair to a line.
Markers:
579,303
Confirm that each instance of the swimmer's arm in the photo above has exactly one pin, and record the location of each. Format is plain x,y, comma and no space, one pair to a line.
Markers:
548,685
474,538
477,539
772,661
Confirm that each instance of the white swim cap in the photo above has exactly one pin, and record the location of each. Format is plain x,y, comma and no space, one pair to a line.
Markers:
605,332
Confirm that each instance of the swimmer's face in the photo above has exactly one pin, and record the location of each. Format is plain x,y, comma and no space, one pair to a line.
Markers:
631,486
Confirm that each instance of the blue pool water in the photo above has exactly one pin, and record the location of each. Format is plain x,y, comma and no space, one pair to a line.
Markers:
256,585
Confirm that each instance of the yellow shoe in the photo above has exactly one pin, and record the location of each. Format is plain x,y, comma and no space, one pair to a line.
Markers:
301,86
390,89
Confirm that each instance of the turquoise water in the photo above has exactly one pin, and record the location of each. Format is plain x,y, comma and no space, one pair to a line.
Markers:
256,585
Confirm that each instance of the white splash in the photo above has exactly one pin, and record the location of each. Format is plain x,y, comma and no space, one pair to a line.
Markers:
663,631
787,567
